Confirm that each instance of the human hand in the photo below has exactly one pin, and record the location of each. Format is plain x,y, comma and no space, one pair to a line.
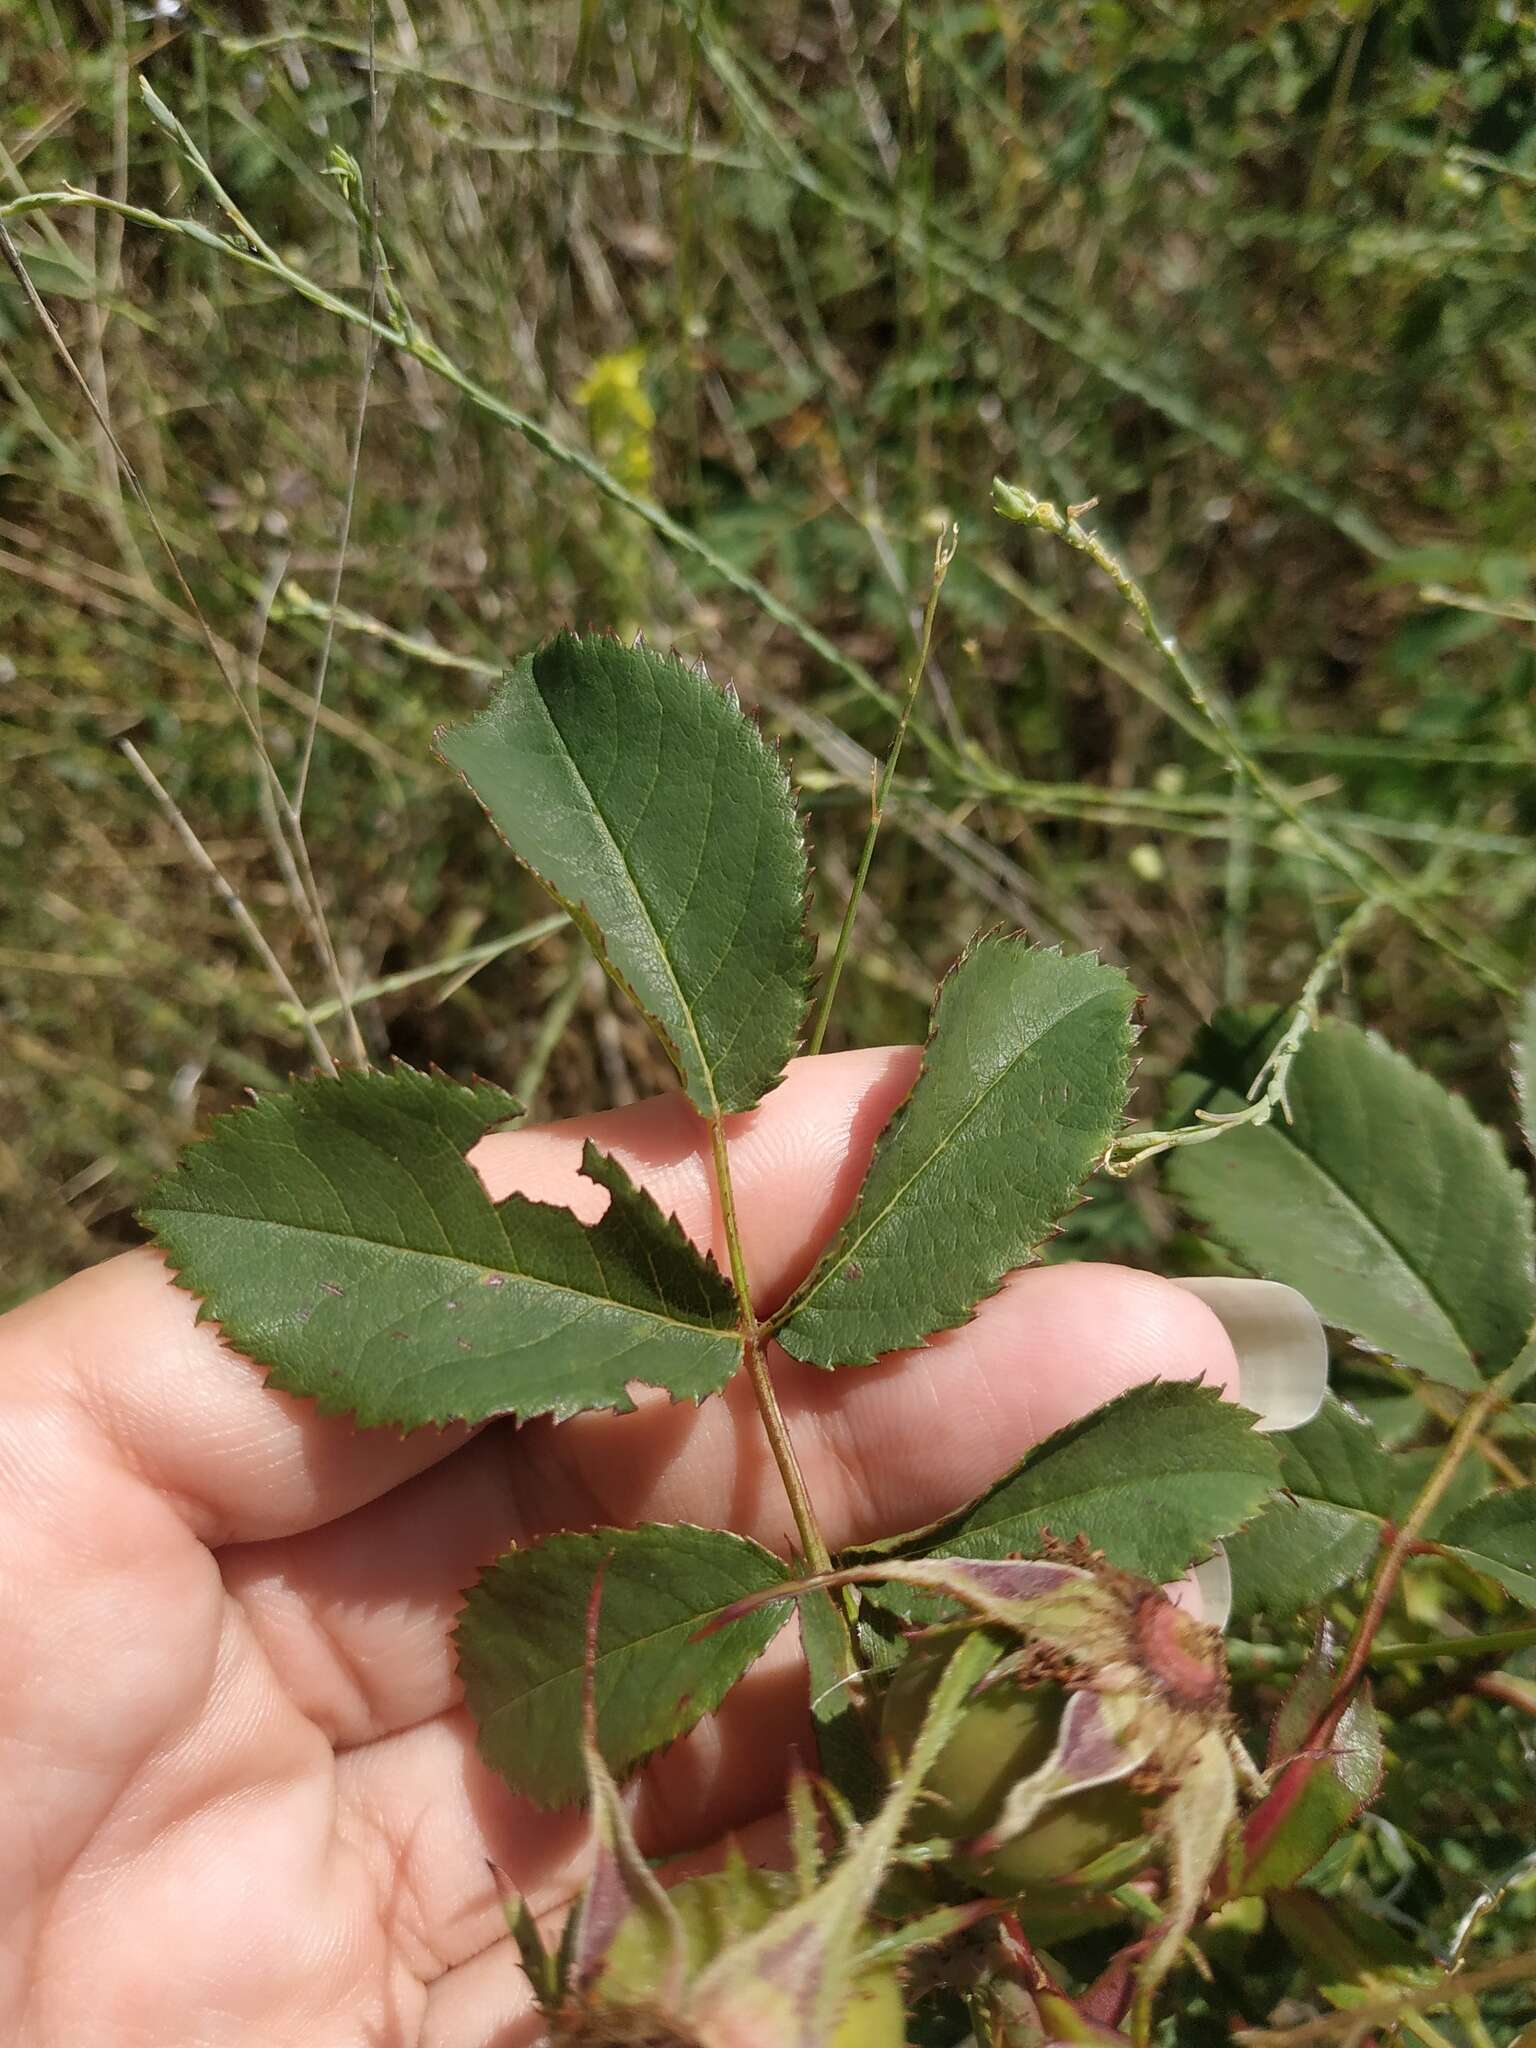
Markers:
243,1800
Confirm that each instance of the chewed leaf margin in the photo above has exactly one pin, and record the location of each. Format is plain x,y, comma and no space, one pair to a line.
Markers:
340,1238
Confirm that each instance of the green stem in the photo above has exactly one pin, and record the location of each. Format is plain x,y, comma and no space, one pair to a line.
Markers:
812,1543
1271,1082
943,555
1255,1659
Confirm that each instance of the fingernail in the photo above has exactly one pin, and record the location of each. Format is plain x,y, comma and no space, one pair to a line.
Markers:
1205,1591
1213,1582
1282,1351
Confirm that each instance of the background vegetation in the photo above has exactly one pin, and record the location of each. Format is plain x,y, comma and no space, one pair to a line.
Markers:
805,276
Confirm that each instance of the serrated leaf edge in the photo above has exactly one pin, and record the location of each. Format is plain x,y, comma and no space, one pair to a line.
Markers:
582,917
835,1256
326,1403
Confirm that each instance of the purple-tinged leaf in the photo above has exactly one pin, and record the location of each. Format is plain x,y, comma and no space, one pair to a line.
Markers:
998,1590
622,1884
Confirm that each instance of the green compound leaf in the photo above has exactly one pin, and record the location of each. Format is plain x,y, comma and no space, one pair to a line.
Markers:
342,1240
648,805
1384,1200
1022,1087
1325,1528
1152,1479
521,1641
1498,1536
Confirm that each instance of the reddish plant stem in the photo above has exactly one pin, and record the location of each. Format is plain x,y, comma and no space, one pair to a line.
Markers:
1400,1546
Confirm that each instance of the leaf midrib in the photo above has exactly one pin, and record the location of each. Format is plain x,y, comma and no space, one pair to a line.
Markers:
477,1266
644,1642
795,1308
1385,1237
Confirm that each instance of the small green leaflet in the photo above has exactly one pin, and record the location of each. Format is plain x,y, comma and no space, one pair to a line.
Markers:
521,1641
1384,1200
1525,1068
1498,1536
1152,1479
1325,1527
1022,1087
844,1745
651,809
342,1240
1341,1492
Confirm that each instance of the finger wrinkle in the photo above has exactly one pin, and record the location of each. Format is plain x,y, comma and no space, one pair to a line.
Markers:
355,1617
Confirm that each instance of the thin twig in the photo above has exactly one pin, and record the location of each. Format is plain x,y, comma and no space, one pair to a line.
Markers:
1370,876
1389,1570
1270,1083
943,555
1356,2020
365,386
231,900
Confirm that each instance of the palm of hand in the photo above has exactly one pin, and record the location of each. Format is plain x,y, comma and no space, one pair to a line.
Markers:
245,1805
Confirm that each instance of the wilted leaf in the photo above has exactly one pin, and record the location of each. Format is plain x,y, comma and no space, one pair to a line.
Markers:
1193,1823
1021,1090
1152,1479
1384,1200
521,1642
1498,1536
649,806
343,1241
1324,1529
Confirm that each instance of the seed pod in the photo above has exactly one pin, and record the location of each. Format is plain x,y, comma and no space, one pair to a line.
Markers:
1007,1733
715,1911
1145,1697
